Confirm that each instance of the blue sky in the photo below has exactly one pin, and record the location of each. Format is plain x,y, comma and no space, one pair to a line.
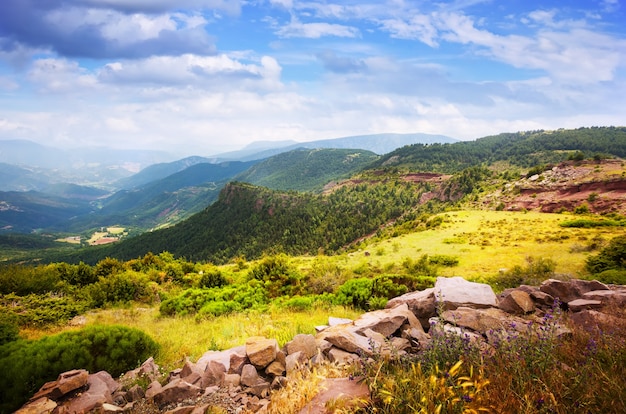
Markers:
206,76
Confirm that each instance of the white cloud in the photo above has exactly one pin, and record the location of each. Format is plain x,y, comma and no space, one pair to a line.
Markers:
61,76
316,30
417,27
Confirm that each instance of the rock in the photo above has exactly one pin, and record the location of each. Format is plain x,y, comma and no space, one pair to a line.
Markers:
261,389
417,337
541,299
42,405
101,387
386,321
578,305
567,291
276,369
344,392
232,380
421,303
213,374
592,320
148,370
454,292
249,376
346,339
279,382
112,408
65,383
238,358
295,362
154,388
261,351
187,409
176,391
191,373
135,393
302,343
481,320
516,302
339,356
332,321
608,297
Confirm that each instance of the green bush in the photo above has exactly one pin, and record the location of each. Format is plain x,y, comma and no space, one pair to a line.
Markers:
9,329
537,270
212,278
79,275
612,276
42,310
24,280
356,293
279,277
613,256
27,365
120,288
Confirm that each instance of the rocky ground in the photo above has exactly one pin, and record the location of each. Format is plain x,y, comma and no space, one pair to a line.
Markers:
241,379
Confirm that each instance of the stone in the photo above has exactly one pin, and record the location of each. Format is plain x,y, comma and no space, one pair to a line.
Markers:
154,388
175,392
191,373
346,339
578,305
454,292
332,321
232,380
187,409
65,383
516,302
567,291
261,389
339,356
213,374
344,392
608,297
421,303
261,351
592,320
149,370
42,405
276,369
386,321
417,337
135,393
249,375
481,320
541,299
112,408
302,343
238,358
100,389
295,362
279,382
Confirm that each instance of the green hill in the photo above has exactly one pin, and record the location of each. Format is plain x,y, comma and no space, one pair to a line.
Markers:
523,149
307,169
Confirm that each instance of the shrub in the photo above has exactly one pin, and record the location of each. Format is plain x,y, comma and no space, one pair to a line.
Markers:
42,310
537,269
212,278
120,288
612,276
24,280
9,329
613,256
27,365
279,277
355,292
79,275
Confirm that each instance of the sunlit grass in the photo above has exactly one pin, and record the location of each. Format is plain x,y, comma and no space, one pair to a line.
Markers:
186,337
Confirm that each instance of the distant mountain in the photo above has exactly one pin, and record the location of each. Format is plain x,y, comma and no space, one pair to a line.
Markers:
157,171
307,169
377,143
24,212
42,165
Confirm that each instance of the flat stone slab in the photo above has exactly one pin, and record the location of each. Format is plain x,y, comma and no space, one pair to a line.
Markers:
350,391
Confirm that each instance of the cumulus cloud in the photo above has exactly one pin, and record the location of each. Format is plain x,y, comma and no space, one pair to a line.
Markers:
73,30
340,64
295,28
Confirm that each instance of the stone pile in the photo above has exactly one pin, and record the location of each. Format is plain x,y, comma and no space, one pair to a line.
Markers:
242,378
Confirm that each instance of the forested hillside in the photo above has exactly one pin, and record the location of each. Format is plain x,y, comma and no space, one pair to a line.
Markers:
307,169
523,149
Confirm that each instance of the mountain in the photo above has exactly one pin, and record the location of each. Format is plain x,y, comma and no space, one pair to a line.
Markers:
307,169
42,165
157,171
24,212
377,143
522,149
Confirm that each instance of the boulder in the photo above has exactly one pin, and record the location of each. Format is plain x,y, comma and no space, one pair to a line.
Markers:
213,374
615,297
567,291
454,292
578,305
592,320
154,388
516,302
386,321
339,356
100,389
275,369
232,380
249,376
302,343
42,405
148,370
65,383
238,358
175,392
541,299
261,351
191,373
345,338
482,320
295,362
332,321
421,303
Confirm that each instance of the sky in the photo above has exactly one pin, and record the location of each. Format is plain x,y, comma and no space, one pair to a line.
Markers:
201,77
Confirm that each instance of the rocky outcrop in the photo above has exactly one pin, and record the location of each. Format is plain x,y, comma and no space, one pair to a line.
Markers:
245,375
